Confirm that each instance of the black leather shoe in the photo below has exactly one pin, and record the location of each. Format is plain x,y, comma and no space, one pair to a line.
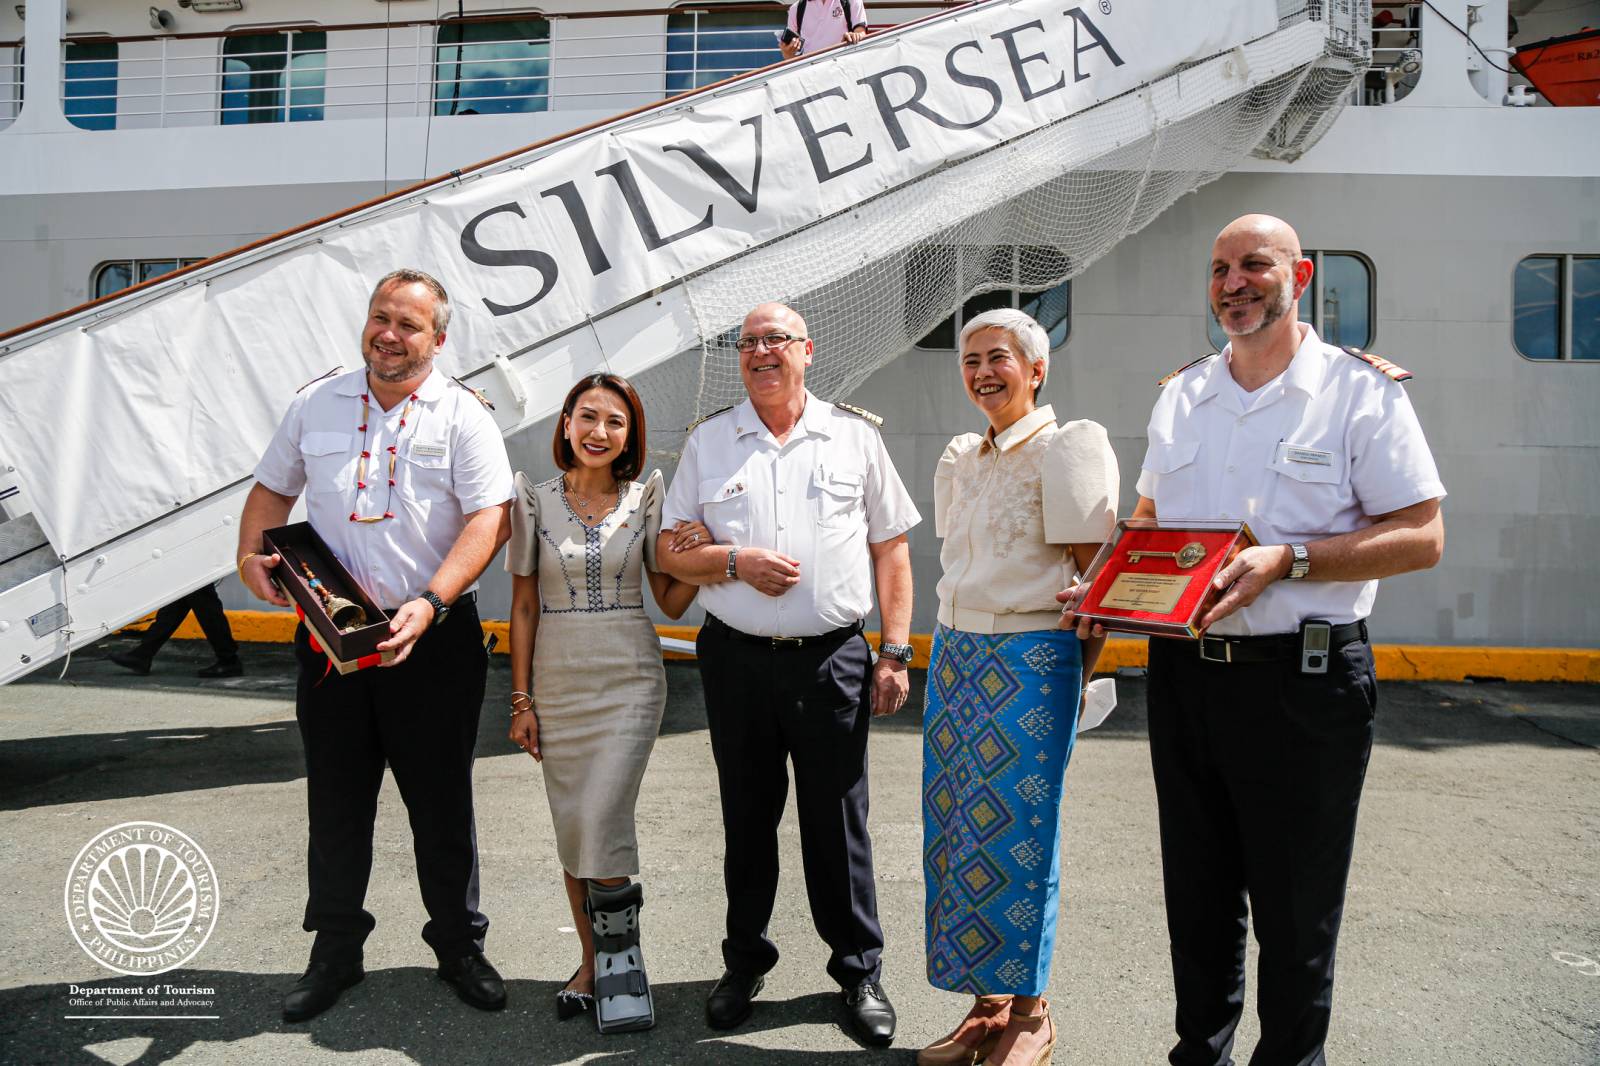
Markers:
220,668
729,1002
131,661
570,1002
319,989
871,1013
476,982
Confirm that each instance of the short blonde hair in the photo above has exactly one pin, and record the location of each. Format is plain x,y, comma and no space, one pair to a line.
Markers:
412,276
1026,333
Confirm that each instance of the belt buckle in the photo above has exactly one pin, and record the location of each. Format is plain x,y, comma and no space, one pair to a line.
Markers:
1227,650
788,642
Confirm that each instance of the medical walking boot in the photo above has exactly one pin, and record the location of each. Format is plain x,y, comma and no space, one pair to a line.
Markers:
622,1001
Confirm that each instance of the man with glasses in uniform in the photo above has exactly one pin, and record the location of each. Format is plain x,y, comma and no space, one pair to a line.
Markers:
808,514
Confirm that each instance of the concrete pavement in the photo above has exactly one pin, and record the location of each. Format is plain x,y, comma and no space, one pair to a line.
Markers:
1472,931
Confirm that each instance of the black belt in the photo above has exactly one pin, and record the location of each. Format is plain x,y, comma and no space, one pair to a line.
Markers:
1273,647
842,633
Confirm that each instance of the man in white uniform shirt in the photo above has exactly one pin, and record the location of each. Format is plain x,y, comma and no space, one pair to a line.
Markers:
808,512
1259,757
406,479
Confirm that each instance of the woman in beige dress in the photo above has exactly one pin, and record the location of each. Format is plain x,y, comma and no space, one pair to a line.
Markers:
581,545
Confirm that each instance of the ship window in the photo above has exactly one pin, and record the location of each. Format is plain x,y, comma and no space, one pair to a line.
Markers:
492,68
1337,303
254,85
1556,307
704,46
90,96
931,277
119,274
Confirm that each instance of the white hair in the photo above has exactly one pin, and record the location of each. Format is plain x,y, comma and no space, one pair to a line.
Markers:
1026,333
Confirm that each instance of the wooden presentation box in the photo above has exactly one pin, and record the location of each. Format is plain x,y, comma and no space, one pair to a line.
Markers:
1155,578
355,650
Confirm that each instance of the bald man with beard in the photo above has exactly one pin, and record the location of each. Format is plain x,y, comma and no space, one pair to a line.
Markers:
1260,732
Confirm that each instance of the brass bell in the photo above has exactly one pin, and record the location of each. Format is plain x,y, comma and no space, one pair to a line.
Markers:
347,615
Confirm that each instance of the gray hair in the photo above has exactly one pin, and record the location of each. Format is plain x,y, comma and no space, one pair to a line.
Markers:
412,276
1026,333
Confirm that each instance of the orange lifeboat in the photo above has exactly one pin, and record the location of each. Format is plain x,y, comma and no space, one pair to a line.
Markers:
1565,70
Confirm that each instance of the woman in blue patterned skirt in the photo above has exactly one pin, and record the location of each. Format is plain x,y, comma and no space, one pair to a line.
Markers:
1022,510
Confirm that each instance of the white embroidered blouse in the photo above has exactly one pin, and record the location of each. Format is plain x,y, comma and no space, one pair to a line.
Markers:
1008,507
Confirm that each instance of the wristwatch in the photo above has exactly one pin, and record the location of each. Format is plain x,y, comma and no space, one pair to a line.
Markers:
441,610
733,557
899,652
1301,565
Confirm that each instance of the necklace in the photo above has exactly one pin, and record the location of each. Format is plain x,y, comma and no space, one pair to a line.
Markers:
586,502
361,465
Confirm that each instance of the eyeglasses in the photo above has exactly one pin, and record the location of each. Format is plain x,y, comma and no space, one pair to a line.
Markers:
770,341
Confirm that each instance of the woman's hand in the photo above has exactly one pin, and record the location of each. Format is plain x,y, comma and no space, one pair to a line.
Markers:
688,535
525,733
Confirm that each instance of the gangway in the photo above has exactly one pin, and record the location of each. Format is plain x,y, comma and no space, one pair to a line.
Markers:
1002,143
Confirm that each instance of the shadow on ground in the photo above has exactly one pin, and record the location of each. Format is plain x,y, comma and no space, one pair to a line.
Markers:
116,764
408,1011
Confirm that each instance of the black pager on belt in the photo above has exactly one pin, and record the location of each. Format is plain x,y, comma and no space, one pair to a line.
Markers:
1316,644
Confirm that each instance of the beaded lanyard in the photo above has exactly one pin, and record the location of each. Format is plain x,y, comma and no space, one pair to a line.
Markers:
361,466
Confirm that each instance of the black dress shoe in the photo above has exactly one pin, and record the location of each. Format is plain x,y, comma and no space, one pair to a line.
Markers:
476,982
729,1002
129,660
871,1013
220,668
570,1002
319,989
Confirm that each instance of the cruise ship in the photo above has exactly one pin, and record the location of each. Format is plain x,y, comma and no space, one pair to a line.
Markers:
1453,214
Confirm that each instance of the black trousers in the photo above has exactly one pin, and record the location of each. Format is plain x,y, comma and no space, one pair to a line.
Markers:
1258,772
207,608
421,718
813,705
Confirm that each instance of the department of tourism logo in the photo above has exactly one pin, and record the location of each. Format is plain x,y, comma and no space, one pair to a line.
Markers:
141,898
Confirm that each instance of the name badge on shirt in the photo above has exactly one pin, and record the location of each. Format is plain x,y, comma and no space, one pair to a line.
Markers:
1307,455
435,451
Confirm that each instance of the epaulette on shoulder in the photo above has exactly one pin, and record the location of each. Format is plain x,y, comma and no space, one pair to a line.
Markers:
1185,366
1380,364
319,377
713,414
861,412
477,394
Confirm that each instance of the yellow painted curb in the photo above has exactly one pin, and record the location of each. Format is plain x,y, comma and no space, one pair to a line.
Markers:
1395,662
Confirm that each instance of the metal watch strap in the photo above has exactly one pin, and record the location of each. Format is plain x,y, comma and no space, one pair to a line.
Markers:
1301,566
902,653
733,559
440,608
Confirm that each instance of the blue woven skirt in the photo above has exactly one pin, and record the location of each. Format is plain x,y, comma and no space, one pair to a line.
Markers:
998,729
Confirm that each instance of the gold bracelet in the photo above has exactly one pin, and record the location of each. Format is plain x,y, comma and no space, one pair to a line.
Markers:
239,566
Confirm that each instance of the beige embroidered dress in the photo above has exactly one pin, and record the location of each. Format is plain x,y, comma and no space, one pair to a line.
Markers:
598,683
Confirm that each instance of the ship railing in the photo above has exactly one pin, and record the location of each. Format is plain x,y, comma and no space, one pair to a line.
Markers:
180,84
10,83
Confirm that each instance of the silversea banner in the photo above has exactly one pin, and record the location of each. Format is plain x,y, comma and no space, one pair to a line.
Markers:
120,422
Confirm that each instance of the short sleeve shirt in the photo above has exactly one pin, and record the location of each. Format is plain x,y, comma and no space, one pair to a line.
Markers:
1318,451
827,21
449,461
821,497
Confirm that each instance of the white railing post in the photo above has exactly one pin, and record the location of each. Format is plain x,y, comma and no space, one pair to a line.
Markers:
43,75
416,91
161,91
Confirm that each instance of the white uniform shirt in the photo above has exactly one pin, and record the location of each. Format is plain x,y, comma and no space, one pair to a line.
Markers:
827,21
819,498
451,462
1323,446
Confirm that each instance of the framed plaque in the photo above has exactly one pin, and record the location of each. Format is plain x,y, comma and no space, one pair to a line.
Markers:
1155,578
345,624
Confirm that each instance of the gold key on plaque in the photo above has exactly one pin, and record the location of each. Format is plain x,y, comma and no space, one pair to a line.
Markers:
1188,555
